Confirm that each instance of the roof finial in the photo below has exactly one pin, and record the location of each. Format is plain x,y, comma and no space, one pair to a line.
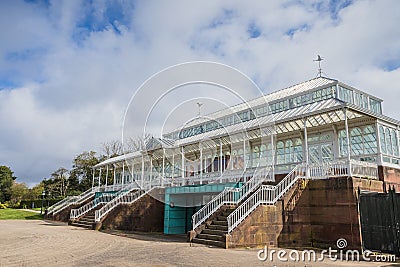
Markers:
319,59
199,104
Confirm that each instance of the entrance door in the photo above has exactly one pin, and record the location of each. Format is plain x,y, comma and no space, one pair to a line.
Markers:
320,148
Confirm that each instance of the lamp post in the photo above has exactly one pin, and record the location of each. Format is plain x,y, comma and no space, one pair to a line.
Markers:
43,194
47,207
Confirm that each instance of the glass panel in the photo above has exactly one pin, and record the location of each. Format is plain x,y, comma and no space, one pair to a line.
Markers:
342,143
389,147
382,139
297,151
314,153
280,153
370,144
356,141
394,143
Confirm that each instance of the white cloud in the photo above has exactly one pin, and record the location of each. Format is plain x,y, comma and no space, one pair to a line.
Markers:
72,67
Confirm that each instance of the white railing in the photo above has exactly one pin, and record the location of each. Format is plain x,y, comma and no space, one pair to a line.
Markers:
271,194
59,206
126,198
76,213
266,194
364,169
231,196
104,198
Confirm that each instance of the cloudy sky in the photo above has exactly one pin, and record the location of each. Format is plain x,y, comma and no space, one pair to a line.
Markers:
68,68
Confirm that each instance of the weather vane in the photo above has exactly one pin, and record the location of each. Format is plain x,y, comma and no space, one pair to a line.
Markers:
319,59
199,105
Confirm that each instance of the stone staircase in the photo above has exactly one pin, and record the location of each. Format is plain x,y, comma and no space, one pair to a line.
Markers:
87,221
214,233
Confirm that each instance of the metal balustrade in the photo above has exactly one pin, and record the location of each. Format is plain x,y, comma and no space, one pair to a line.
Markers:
231,196
76,213
105,198
75,200
271,194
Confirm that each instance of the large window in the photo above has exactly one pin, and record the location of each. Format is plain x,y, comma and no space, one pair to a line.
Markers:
356,141
289,151
362,141
345,94
389,141
370,143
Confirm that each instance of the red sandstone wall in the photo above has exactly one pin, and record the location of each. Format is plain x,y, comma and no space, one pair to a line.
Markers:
314,214
390,176
145,215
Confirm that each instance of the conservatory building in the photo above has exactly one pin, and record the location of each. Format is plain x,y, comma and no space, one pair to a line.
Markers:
253,154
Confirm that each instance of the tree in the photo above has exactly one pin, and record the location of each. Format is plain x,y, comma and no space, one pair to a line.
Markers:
83,169
6,182
112,148
137,143
19,191
61,182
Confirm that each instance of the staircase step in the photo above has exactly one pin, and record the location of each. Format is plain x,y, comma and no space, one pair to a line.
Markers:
221,218
220,222
211,237
82,225
214,232
218,227
209,242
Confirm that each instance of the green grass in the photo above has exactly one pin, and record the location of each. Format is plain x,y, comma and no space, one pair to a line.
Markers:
15,214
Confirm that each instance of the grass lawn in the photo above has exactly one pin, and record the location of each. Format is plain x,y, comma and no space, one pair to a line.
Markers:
15,214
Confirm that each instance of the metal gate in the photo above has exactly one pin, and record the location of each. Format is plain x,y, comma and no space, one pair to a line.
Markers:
380,221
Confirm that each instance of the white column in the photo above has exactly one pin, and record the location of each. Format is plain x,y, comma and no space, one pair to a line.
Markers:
306,147
346,125
173,164
183,165
123,173
151,170
163,168
107,175
273,156
142,181
93,178
201,164
99,179
244,153
220,161
115,176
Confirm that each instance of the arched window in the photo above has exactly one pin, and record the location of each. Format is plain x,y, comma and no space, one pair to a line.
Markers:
297,150
280,152
389,146
255,156
382,139
370,144
288,151
395,143
356,141
263,155
342,143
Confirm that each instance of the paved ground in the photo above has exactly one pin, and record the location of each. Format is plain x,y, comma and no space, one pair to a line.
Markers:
42,243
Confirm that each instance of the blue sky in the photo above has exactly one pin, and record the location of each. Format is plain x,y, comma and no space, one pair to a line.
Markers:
68,68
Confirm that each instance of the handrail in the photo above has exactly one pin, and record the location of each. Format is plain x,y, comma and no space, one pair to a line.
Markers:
126,198
267,194
59,206
271,194
76,213
231,196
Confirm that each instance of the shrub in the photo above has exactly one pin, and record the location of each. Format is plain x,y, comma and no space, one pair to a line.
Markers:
3,206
